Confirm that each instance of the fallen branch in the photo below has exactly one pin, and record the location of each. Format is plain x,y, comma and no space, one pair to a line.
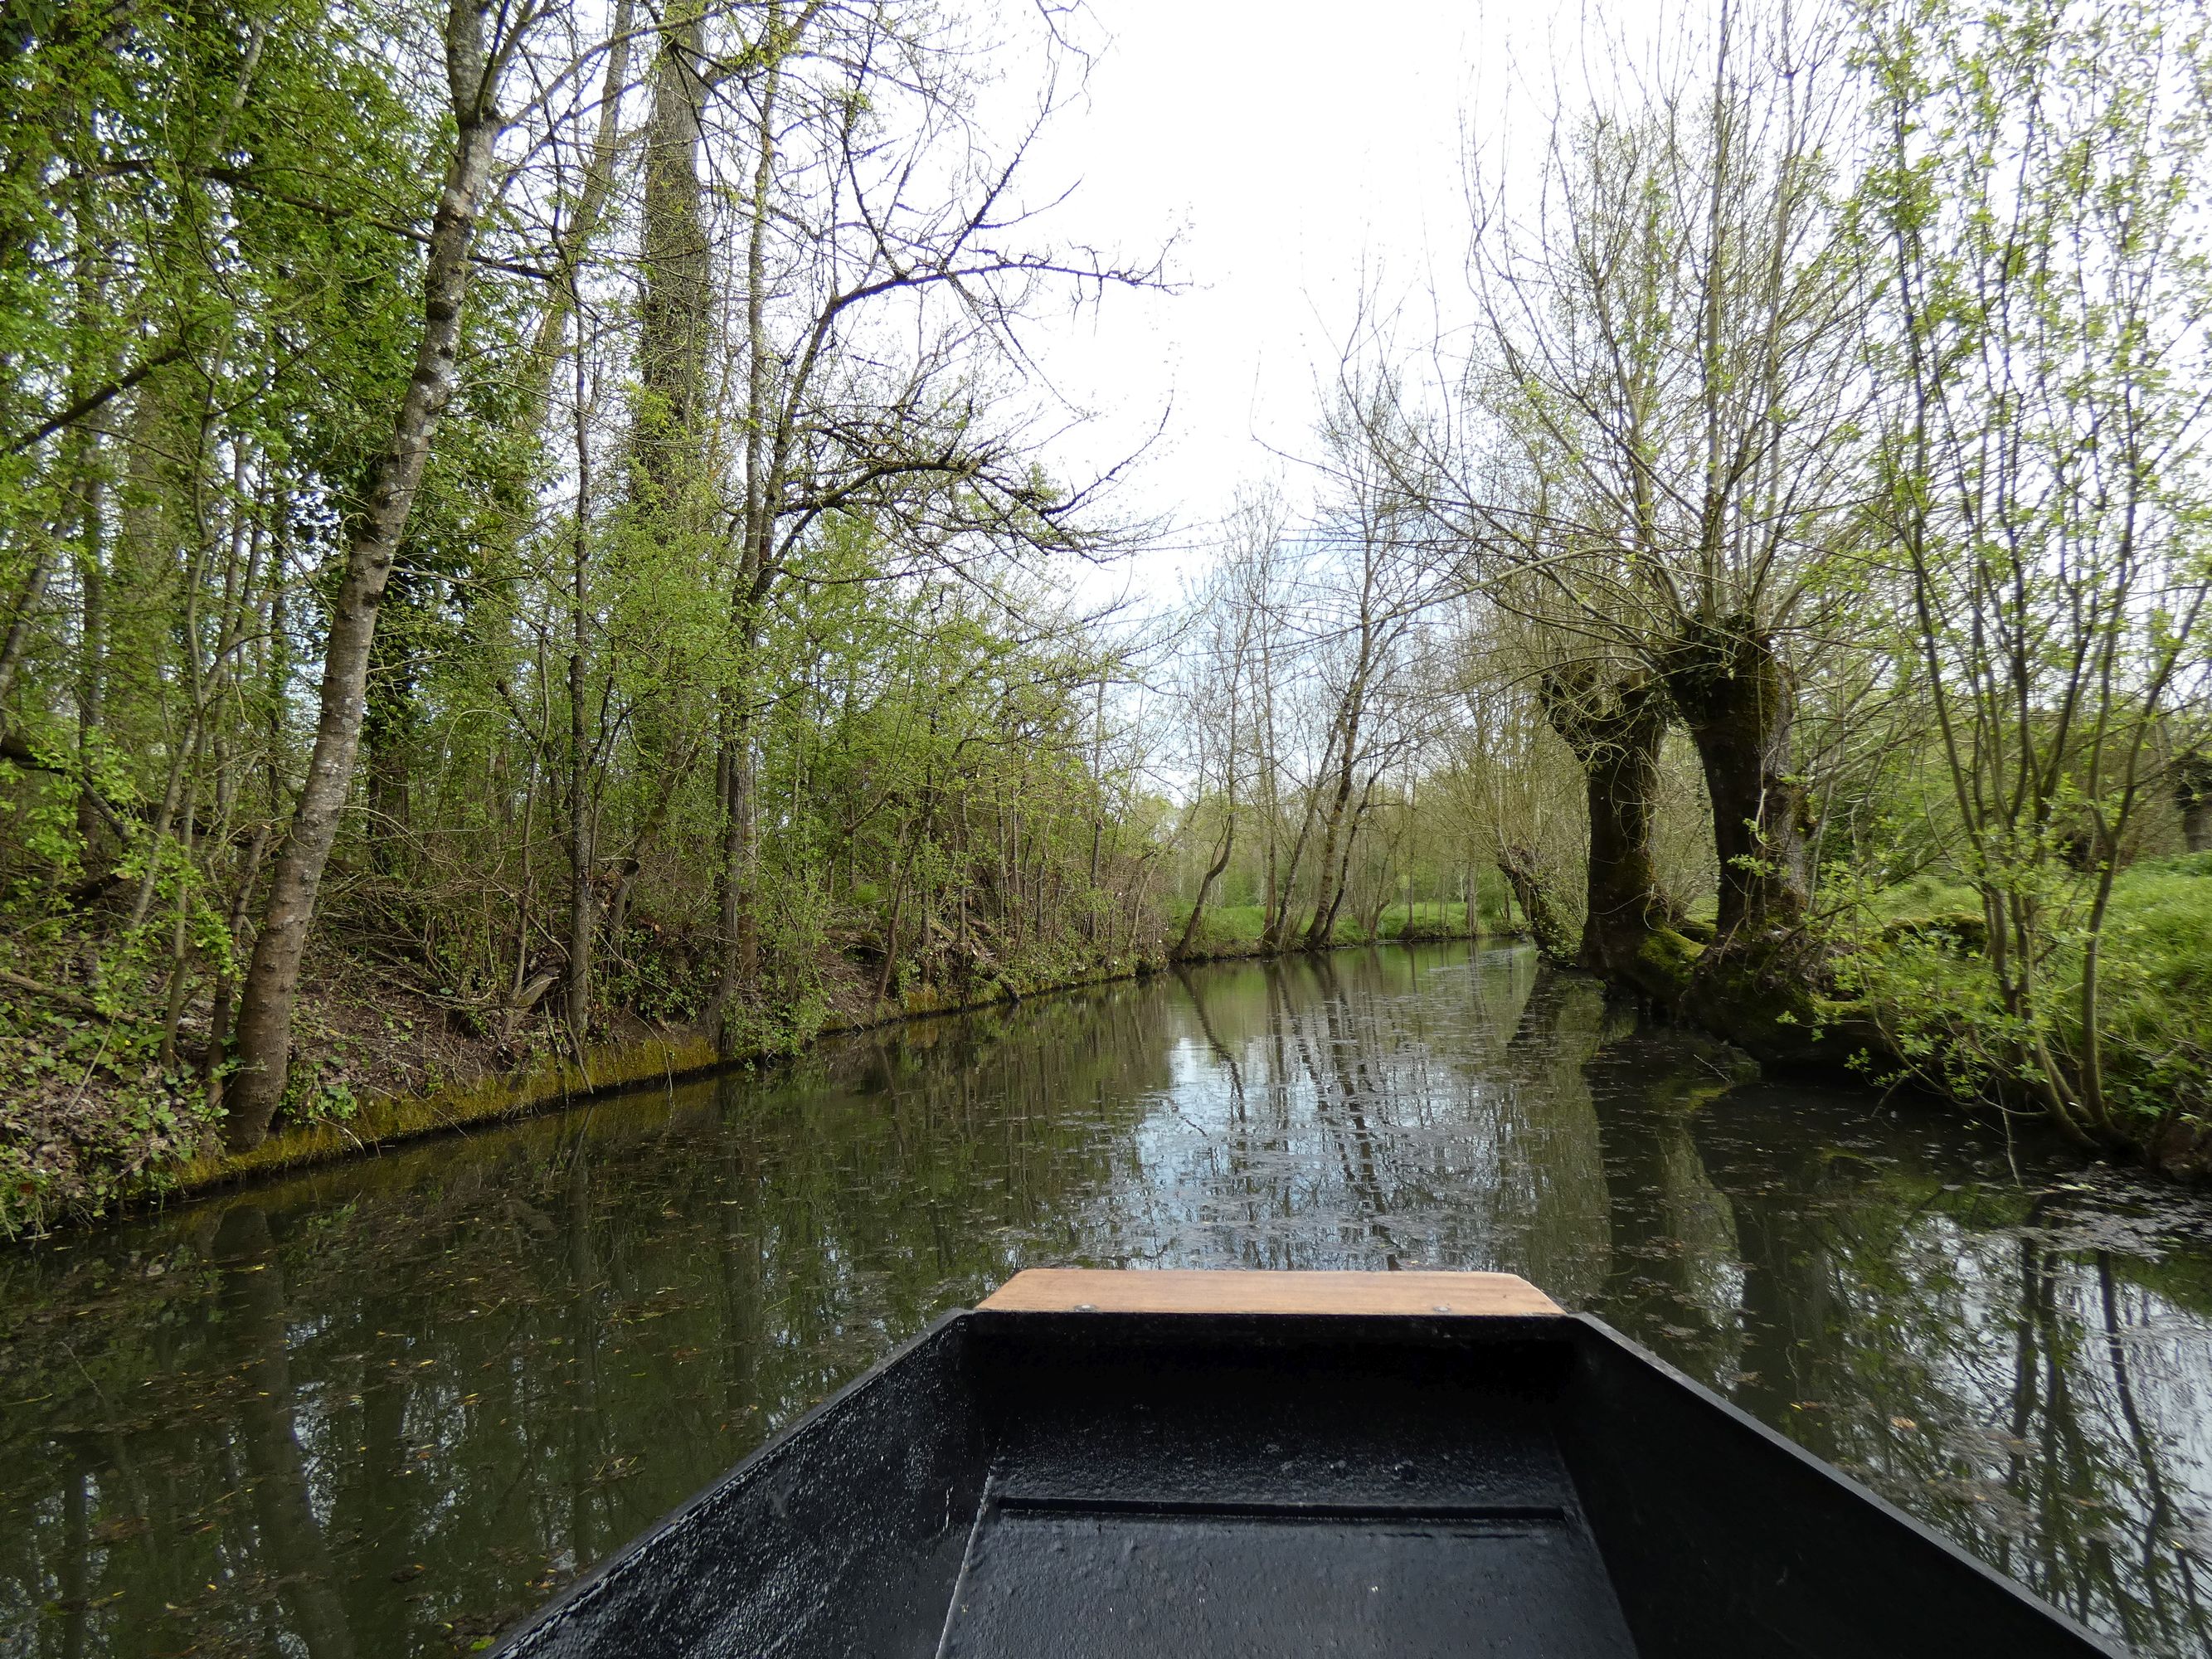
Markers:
54,993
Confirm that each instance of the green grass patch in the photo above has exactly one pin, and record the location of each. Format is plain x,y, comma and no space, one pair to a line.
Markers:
2157,988
1926,973
1227,928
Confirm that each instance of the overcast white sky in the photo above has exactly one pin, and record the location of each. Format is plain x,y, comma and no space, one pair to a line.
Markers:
1294,150
1297,151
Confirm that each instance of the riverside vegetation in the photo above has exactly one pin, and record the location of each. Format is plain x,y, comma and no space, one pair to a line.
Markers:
1803,537
522,529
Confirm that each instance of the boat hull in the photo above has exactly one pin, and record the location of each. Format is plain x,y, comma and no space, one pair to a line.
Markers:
1038,1480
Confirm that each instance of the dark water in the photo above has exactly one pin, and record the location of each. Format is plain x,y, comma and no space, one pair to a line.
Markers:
383,1410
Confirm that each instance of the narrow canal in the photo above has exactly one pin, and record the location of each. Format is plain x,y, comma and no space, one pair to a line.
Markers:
382,1410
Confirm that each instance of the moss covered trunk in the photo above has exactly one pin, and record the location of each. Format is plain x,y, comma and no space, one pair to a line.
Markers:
1739,702
1758,984
2191,778
1615,731
2197,826
1531,887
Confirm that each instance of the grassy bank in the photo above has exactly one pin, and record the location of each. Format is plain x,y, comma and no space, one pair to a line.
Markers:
1919,964
1235,930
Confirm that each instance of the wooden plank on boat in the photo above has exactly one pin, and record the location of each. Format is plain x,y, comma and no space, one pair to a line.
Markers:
1210,1291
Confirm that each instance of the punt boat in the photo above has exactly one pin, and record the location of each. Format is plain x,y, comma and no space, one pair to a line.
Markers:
1204,1465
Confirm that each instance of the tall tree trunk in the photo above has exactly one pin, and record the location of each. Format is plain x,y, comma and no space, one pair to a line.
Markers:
92,644
1758,982
214,1080
673,343
19,627
676,309
572,245
1325,920
906,853
1278,934
388,720
272,982
1614,731
582,855
2191,775
1267,912
1739,701
572,242
87,463
740,925
1097,824
1324,904
741,831
1325,896
1206,885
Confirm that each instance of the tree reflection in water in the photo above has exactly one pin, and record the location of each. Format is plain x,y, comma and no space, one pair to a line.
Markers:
382,1410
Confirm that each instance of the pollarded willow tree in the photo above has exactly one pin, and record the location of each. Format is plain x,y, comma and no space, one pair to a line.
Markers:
1651,455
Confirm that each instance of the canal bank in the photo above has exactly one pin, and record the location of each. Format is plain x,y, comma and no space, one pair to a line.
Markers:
546,1083
554,1082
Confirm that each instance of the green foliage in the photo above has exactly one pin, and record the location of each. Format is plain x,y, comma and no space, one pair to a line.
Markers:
212,280
778,720
2157,992
2039,270
88,1116
1923,967
1235,929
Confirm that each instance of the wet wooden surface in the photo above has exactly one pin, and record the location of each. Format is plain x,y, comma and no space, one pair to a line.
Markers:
1202,1291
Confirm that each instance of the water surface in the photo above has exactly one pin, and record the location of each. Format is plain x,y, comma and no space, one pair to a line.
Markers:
382,1410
